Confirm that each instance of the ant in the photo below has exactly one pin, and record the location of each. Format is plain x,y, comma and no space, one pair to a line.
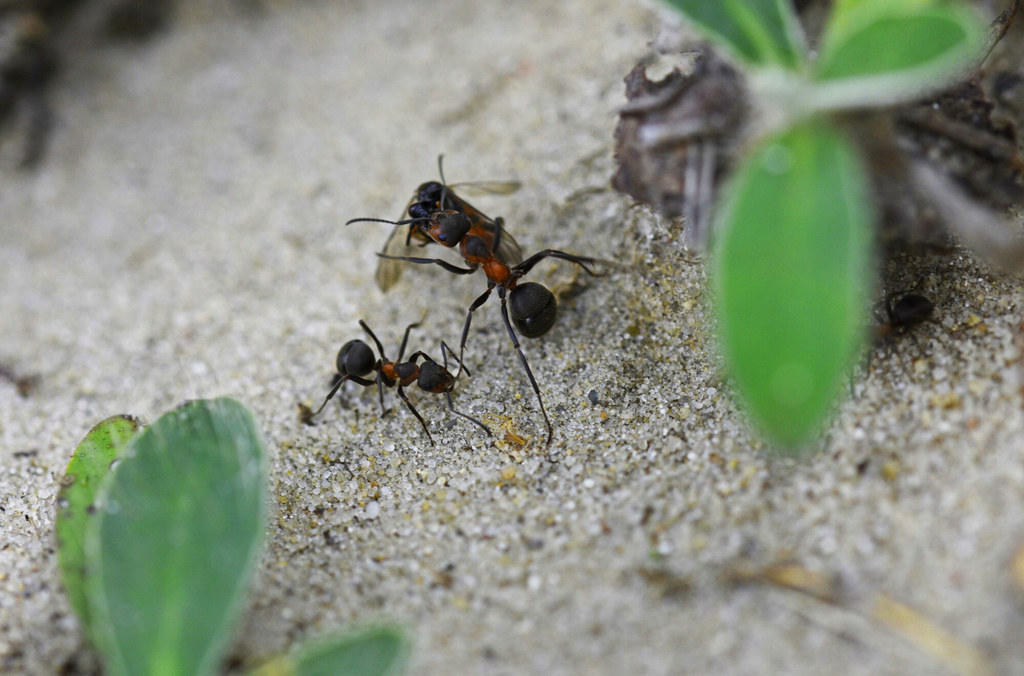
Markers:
533,306
433,197
356,361
905,311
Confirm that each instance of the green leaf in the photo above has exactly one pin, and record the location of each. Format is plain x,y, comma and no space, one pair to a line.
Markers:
760,32
370,652
791,276
90,465
179,528
881,52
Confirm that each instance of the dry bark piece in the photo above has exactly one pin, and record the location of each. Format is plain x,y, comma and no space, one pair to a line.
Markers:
950,164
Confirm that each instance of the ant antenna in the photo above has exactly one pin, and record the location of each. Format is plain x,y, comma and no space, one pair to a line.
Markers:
384,220
444,183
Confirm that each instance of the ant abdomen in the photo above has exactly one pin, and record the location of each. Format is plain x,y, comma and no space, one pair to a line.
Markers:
434,378
533,308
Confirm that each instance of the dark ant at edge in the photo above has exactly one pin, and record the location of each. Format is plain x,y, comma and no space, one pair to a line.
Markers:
905,311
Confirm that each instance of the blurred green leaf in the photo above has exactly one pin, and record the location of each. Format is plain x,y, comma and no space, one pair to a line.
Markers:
89,466
879,52
372,652
179,528
760,32
792,265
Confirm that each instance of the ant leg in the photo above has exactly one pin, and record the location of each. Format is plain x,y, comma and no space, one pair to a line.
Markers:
330,395
416,355
583,261
445,351
401,393
380,348
451,405
426,261
526,366
405,339
469,318
380,396
334,390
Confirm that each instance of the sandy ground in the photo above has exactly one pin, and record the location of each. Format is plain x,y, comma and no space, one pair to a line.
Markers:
184,239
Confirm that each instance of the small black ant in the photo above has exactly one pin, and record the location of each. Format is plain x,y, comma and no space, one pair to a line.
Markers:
905,311
430,198
533,306
356,361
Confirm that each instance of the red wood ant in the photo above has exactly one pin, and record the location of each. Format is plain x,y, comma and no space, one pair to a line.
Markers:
533,306
356,361
432,197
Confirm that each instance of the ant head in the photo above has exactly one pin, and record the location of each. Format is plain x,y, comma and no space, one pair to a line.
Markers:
435,378
533,308
355,358
428,195
909,310
449,227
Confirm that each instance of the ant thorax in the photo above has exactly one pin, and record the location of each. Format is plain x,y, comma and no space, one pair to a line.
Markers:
475,250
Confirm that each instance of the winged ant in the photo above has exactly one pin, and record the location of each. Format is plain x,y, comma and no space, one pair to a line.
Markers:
356,362
430,198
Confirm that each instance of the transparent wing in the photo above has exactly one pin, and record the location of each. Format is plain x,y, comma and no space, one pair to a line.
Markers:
389,271
509,251
487,187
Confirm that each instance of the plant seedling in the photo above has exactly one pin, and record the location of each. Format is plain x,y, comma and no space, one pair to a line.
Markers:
792,232
156,549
